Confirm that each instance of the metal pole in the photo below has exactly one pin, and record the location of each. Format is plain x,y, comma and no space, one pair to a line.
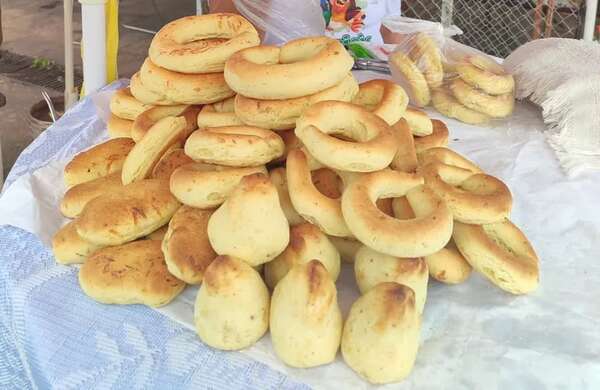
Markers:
201,7
93,39
447,12
70,90
591,8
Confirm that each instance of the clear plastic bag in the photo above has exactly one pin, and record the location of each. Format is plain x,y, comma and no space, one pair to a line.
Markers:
284,20
459,81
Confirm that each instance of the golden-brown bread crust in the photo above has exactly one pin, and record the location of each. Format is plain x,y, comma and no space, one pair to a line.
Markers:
502,253
219,114
145,95
184,88
232,307
485,74
98,161
186,246
496,106
131,212
68,246
286,72
309,202
148,118
205,185
240,227
383,98
119,128
306,321
125,106
472,197
158,234
169,162
418,122
448,265
428,56
405,159
127,274
282,114
438,137
290,141
372,268
279,179
446,104
234,146
382,323
418,89
375,144
307,243
169,132
79,195
188,44
422,236
449,157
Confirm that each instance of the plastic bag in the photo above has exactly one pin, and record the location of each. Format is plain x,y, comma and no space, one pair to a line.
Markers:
459,81
284,20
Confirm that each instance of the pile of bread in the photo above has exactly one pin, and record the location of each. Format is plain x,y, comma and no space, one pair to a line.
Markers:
470,87
259,196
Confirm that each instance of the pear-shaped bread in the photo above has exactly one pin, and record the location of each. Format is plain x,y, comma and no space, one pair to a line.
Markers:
131,212
186,247
306,321
99,160
232,306
372,267
250,224
307,242
80,194
68,246
132,273
381,334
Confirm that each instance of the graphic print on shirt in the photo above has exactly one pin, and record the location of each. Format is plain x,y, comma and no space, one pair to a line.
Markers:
346,16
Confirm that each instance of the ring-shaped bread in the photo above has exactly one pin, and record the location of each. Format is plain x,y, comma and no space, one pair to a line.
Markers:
202,43
219,114
234,146
438,137
205,185
448,157
282,114
418,121
448,105
383,98
496,106
184,88
308,201
418,89
145,95
501,252
485,74
299,68
375,145
472,197
125,106
405,159
428,57
429,232
148,118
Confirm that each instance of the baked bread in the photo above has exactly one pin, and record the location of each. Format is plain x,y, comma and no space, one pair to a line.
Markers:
307,243
169,162
131,212
250,225
127,274
79,195
306,321
232,306
381,334
186,246
98,161
68,246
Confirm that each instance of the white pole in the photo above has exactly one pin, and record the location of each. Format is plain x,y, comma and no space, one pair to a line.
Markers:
591,8
70,91
93,26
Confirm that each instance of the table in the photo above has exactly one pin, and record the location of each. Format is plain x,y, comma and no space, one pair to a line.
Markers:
53,336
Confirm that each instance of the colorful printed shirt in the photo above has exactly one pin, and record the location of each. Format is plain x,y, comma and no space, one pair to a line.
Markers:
357,20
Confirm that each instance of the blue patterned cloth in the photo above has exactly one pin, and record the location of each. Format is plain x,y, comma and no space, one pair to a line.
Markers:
52,336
